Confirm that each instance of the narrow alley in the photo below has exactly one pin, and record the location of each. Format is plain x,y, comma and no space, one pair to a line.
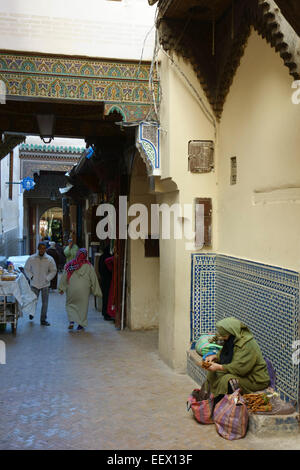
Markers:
152,146
98,389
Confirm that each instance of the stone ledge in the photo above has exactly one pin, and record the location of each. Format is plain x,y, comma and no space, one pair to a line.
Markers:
268,425
274,424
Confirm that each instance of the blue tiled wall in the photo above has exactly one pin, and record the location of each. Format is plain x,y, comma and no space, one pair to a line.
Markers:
203,295
266,298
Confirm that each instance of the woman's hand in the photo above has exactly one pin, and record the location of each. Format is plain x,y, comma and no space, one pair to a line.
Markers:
211,358
215,367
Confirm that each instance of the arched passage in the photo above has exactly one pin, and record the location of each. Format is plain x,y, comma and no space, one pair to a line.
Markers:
51,224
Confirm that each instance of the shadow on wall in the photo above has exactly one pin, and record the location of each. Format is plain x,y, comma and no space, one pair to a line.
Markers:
10,244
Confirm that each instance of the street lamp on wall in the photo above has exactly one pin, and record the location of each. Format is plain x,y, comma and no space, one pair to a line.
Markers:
46,124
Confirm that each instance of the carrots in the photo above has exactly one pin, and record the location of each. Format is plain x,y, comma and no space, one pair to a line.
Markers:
205,365
257,402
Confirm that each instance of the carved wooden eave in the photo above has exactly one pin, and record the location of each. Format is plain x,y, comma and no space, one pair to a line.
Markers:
216,57
9,142
291,11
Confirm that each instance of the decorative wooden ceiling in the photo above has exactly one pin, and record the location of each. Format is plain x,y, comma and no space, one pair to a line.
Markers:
87,96
71,119
121,85
212,35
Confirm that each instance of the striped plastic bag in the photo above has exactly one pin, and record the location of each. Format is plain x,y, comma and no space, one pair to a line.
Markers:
201,402
203,345
231,416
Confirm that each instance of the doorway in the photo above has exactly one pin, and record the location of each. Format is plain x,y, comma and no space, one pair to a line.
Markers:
51,225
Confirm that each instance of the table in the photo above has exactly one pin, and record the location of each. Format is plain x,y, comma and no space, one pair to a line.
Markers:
22,292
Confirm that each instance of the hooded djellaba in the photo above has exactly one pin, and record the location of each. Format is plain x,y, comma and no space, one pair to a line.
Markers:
241,359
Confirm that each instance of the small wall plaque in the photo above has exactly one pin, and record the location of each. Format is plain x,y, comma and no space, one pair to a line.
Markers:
201,156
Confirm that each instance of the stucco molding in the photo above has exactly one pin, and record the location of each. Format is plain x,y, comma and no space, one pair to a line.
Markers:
50,152
148,144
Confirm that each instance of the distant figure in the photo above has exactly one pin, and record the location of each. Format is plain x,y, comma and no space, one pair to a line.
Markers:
78,280
53,252
46,241
105,281
70,250
62,258
40,269
111,309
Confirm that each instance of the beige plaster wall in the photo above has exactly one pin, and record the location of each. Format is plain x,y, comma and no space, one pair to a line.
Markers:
168,272
182,119
259,217
143,273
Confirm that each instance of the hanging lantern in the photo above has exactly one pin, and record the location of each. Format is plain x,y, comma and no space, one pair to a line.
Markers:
46,124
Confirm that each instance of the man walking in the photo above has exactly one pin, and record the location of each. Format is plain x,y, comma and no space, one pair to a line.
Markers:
40,269
71,250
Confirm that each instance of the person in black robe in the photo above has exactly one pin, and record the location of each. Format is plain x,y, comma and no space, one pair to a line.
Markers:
62,258
51,251
105,281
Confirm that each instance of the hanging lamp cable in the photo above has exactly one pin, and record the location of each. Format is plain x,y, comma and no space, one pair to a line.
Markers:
213,34
232,20
204,108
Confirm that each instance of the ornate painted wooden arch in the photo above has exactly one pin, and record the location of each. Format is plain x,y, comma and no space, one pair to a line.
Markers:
121,85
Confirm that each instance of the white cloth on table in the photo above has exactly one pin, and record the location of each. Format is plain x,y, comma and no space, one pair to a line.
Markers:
21,290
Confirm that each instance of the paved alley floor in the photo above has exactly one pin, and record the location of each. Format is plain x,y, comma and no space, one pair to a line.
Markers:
99,389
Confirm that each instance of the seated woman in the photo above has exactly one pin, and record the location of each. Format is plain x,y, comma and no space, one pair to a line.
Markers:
239,364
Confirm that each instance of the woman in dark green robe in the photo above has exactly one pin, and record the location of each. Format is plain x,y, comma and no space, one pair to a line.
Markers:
239,359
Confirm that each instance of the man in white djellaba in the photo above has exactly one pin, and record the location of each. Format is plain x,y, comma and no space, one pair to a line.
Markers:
40,269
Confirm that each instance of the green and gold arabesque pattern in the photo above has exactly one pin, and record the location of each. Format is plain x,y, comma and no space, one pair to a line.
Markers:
57,149
121,85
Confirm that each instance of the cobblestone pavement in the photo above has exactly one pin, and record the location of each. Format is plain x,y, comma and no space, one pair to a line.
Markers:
99,389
